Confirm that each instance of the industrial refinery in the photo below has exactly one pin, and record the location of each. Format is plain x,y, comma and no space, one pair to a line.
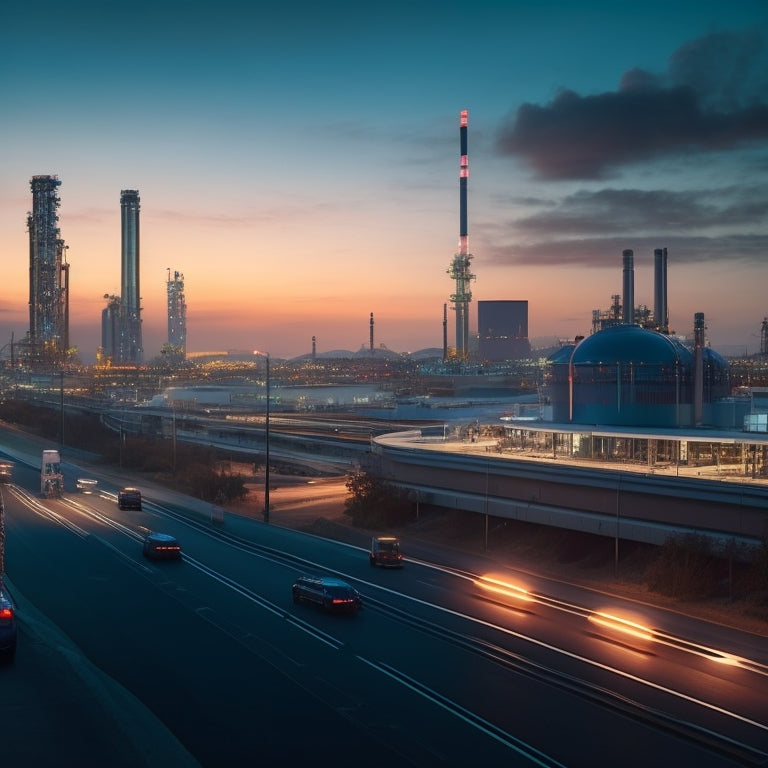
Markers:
633,369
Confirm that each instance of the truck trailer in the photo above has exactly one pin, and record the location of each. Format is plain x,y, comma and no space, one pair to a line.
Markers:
51,477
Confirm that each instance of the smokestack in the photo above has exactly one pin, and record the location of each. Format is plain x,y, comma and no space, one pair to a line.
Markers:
463,176
314,347
660,309
629,287
459,270
698,371
371,332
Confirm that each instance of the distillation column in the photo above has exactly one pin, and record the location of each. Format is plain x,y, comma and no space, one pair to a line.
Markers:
177,314
48,274
130,342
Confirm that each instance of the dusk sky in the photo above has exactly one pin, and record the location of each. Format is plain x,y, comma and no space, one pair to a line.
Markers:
298,162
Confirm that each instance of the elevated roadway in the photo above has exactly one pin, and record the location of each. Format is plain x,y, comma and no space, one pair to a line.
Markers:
616,500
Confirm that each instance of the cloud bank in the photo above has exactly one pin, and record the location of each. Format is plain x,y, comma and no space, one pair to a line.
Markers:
714,96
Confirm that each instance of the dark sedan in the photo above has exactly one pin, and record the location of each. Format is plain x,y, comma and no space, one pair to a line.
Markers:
129,498
161,546
327,593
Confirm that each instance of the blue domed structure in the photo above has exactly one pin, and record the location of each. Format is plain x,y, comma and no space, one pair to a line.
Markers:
629,344
625,375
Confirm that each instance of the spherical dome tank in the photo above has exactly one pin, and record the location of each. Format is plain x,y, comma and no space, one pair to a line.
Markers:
630,376
629,344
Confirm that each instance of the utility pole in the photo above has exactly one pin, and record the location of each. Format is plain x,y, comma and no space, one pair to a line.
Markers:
61,409
266,437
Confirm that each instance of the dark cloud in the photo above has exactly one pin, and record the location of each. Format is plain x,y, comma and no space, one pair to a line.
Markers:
727,70
591,228
631,211
605,252
713,97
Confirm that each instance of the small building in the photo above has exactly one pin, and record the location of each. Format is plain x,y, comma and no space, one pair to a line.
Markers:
503,330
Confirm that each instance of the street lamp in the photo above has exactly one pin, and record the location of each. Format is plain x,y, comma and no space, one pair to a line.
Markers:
173,436
266,438
265,355
616,538
61,409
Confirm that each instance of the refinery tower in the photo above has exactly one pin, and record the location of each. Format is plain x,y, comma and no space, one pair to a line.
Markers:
459,269
48,337
130,348
177,314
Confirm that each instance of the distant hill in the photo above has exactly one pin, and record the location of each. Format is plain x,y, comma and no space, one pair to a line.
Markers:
378,353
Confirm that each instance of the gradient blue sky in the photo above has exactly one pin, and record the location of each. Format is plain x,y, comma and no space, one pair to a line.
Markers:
298,163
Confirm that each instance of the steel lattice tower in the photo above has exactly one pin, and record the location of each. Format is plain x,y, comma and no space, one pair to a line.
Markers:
48,275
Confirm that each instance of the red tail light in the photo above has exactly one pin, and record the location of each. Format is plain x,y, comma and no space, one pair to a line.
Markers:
6,613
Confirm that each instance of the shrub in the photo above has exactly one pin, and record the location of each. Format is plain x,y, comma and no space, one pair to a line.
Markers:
210,484
685,568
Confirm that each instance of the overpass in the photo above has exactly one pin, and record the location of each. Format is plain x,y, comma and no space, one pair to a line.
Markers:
621,501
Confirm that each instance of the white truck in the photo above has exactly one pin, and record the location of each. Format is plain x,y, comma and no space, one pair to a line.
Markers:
51,478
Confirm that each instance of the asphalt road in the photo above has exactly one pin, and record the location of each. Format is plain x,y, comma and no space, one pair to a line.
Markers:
436,670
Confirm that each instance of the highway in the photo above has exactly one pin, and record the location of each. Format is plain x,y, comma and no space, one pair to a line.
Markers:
446,665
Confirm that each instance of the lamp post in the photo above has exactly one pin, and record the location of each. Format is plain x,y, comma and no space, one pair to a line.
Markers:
266,439
616,538
61,409
173,437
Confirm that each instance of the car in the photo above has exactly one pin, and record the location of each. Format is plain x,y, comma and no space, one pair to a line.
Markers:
330,594
86,484
6,472
129,498
7,626
385,551
161,546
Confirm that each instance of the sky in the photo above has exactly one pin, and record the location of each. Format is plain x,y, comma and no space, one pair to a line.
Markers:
298,163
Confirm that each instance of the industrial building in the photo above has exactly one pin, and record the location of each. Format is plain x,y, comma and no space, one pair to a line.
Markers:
502,330
47,342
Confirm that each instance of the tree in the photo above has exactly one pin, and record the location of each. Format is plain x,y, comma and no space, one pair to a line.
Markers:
373,502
